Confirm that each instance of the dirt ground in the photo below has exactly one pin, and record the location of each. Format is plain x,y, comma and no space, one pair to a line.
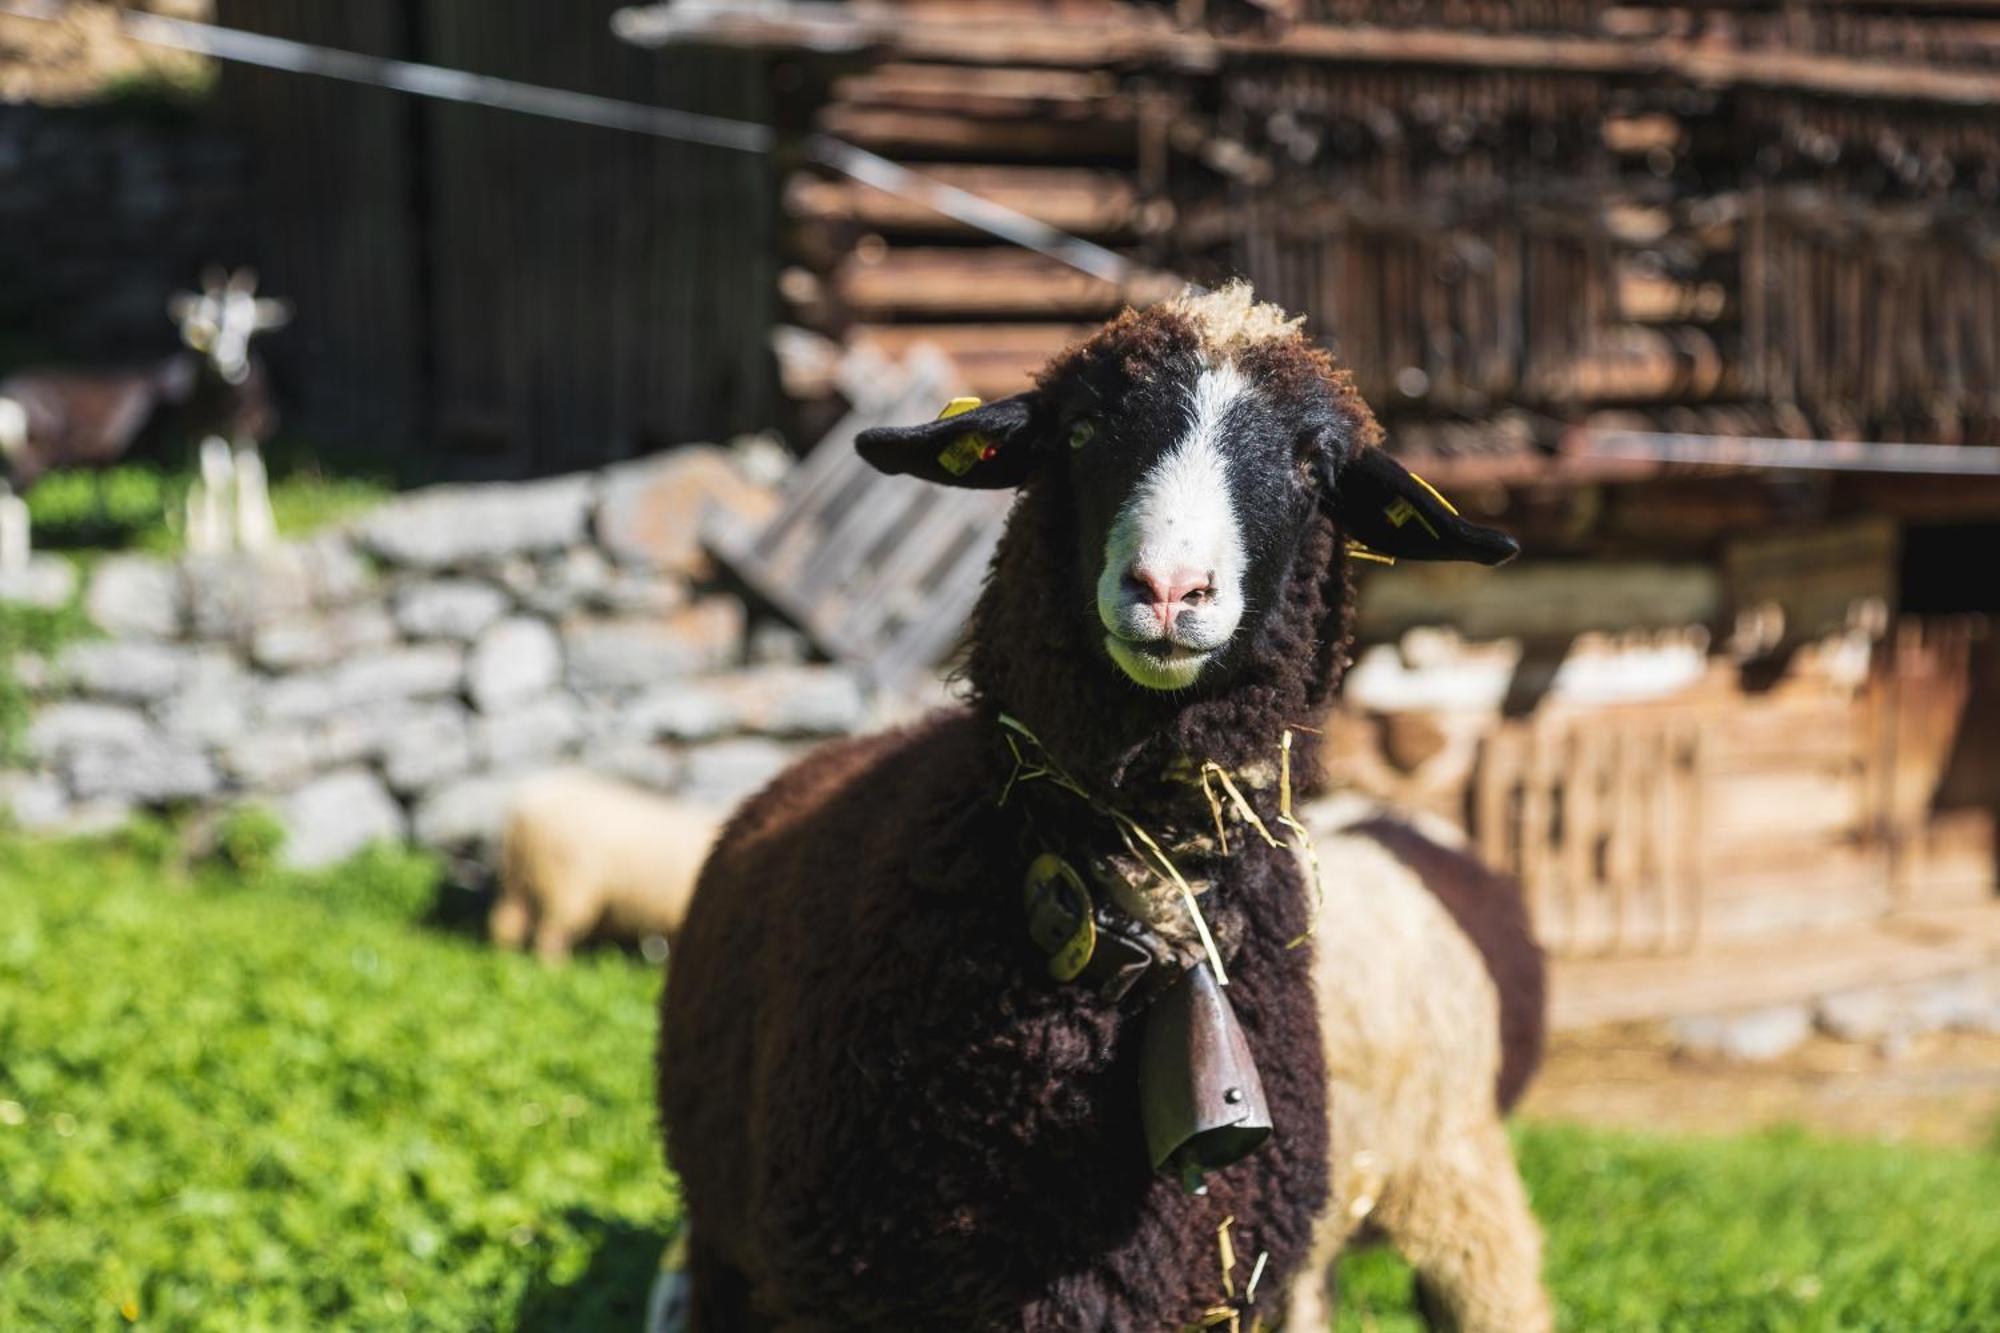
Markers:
1941,1088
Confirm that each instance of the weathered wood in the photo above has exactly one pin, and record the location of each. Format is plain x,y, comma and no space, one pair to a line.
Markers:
1081,200
1748,975
1545,600
988,282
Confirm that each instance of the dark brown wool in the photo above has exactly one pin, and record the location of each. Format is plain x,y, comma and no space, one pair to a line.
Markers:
882,1112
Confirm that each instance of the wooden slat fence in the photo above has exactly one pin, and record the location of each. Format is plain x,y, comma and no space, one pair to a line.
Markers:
541,296
1659,828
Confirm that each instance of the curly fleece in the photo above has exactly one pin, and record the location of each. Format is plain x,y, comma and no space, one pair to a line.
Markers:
882,1113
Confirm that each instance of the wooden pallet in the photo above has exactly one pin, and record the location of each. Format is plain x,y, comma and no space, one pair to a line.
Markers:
880,572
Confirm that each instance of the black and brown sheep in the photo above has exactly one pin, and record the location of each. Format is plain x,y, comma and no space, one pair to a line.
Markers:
883,1109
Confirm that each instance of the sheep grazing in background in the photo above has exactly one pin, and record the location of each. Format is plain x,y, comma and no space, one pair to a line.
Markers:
887,1106
583,856
215,392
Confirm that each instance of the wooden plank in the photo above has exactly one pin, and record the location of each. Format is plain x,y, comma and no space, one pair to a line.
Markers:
1083,200
886,130
1590,992
990,282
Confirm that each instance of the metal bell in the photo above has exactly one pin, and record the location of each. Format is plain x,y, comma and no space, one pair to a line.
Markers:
1199,1094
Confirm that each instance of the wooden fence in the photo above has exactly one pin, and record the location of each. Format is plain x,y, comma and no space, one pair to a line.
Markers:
1660,827
550,295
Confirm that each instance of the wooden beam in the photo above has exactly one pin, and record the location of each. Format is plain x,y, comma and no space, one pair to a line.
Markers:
1079,200
967,33
971,282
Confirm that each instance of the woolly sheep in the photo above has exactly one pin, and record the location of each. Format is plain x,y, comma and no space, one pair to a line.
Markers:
887,1111
582,854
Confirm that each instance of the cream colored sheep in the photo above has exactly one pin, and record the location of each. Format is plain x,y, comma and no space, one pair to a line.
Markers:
583,855
1430,996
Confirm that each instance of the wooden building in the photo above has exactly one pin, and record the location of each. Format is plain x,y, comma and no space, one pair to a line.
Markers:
1713,703
513,294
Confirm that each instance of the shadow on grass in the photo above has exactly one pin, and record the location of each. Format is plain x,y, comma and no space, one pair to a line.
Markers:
611,1292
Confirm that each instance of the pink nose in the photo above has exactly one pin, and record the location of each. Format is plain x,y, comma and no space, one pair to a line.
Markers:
1171,592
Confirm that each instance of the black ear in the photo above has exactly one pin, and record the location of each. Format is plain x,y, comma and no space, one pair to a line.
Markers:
1395,513
985,448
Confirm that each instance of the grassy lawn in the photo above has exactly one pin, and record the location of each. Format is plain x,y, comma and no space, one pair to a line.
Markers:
236,1099
138,506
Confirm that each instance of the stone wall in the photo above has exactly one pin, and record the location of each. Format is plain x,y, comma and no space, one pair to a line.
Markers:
104,211
395,677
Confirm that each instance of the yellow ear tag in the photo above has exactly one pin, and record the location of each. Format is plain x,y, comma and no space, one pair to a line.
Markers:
968,450
1402,511
1060,921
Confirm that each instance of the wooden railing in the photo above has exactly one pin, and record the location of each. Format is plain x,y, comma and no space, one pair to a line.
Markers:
1724,814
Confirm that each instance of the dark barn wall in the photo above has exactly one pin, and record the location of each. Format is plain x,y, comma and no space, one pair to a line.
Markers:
523,294
104,211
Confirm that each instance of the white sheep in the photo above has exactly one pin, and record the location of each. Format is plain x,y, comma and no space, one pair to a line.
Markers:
582,854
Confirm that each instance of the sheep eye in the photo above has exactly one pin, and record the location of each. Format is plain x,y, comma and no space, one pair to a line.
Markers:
1082,433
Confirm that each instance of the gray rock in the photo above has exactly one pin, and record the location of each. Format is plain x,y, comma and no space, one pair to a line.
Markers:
336,572
541,730
653,510
513,661
800,700
450,527
467,814
414,672
90,818
687,711
136,595
231,593
639,592
332,818
429,749
633,652
49,581
153,771
1754,1034
775,701
132,670
35,802
268,759
33,673
774,643
367,734
576,578
212,705
728,771
61,729
448,608
322,639
656,766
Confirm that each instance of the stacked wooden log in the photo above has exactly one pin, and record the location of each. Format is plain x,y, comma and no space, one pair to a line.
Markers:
1059,144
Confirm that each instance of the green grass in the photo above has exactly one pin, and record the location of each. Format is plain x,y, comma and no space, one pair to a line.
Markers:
234,1098
225,1105
137,506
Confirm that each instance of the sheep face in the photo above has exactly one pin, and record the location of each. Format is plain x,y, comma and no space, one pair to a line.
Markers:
1190,445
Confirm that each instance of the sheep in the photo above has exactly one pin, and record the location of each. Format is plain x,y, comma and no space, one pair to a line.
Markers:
582,854
213,391
887,1109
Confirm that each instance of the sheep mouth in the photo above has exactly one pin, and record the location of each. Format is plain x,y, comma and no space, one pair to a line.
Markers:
1158,664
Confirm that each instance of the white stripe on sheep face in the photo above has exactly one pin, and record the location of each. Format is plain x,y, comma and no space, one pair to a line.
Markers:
1170,590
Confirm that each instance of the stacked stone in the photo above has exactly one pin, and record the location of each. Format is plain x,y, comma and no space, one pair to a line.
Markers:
396,678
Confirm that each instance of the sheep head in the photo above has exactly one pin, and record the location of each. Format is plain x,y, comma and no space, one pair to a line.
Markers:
1189,445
